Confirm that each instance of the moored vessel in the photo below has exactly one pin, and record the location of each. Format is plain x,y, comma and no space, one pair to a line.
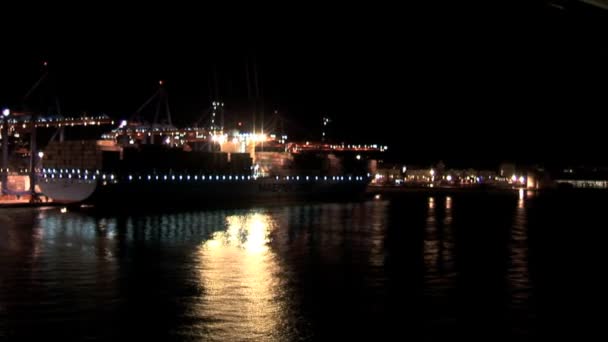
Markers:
184,168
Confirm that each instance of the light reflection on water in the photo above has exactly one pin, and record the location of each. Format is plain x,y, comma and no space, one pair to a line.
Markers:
239,274
439,270
518,274
281,273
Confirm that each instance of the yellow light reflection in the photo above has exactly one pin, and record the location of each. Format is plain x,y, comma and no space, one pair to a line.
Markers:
250,233
521,201
240,282
521,194
257,237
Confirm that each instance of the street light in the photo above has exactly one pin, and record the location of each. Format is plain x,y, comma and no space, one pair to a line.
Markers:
6,112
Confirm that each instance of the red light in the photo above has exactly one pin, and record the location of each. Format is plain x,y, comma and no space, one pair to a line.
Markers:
44,63
240,123
160,82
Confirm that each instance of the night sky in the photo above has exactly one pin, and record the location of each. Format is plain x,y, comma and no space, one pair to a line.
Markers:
465,85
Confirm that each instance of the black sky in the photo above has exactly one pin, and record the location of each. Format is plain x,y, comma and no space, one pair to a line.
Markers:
471,84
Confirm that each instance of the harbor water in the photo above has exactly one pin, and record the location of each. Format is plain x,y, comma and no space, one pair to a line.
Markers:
415,266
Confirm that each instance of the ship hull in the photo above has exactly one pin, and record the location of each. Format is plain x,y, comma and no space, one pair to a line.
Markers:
193,192
67,190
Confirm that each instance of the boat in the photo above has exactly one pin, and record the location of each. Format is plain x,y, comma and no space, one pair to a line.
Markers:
140,163
152,166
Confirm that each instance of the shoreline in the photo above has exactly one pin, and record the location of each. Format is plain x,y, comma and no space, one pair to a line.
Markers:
421,189
370,192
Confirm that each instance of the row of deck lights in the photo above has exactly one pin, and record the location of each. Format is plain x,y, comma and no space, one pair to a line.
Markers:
20,170
374,146
63,121
76,173
102,117
333,178
171,131
45,120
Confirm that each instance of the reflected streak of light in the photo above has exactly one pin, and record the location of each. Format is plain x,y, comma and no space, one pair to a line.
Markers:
520,286
431,244
238,273
249,233
438,250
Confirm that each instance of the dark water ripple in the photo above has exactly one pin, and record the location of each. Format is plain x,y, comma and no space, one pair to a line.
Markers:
437,267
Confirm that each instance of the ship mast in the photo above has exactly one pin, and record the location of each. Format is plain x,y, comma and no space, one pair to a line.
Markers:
258,100
255,96
249,95
163,102
33,142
